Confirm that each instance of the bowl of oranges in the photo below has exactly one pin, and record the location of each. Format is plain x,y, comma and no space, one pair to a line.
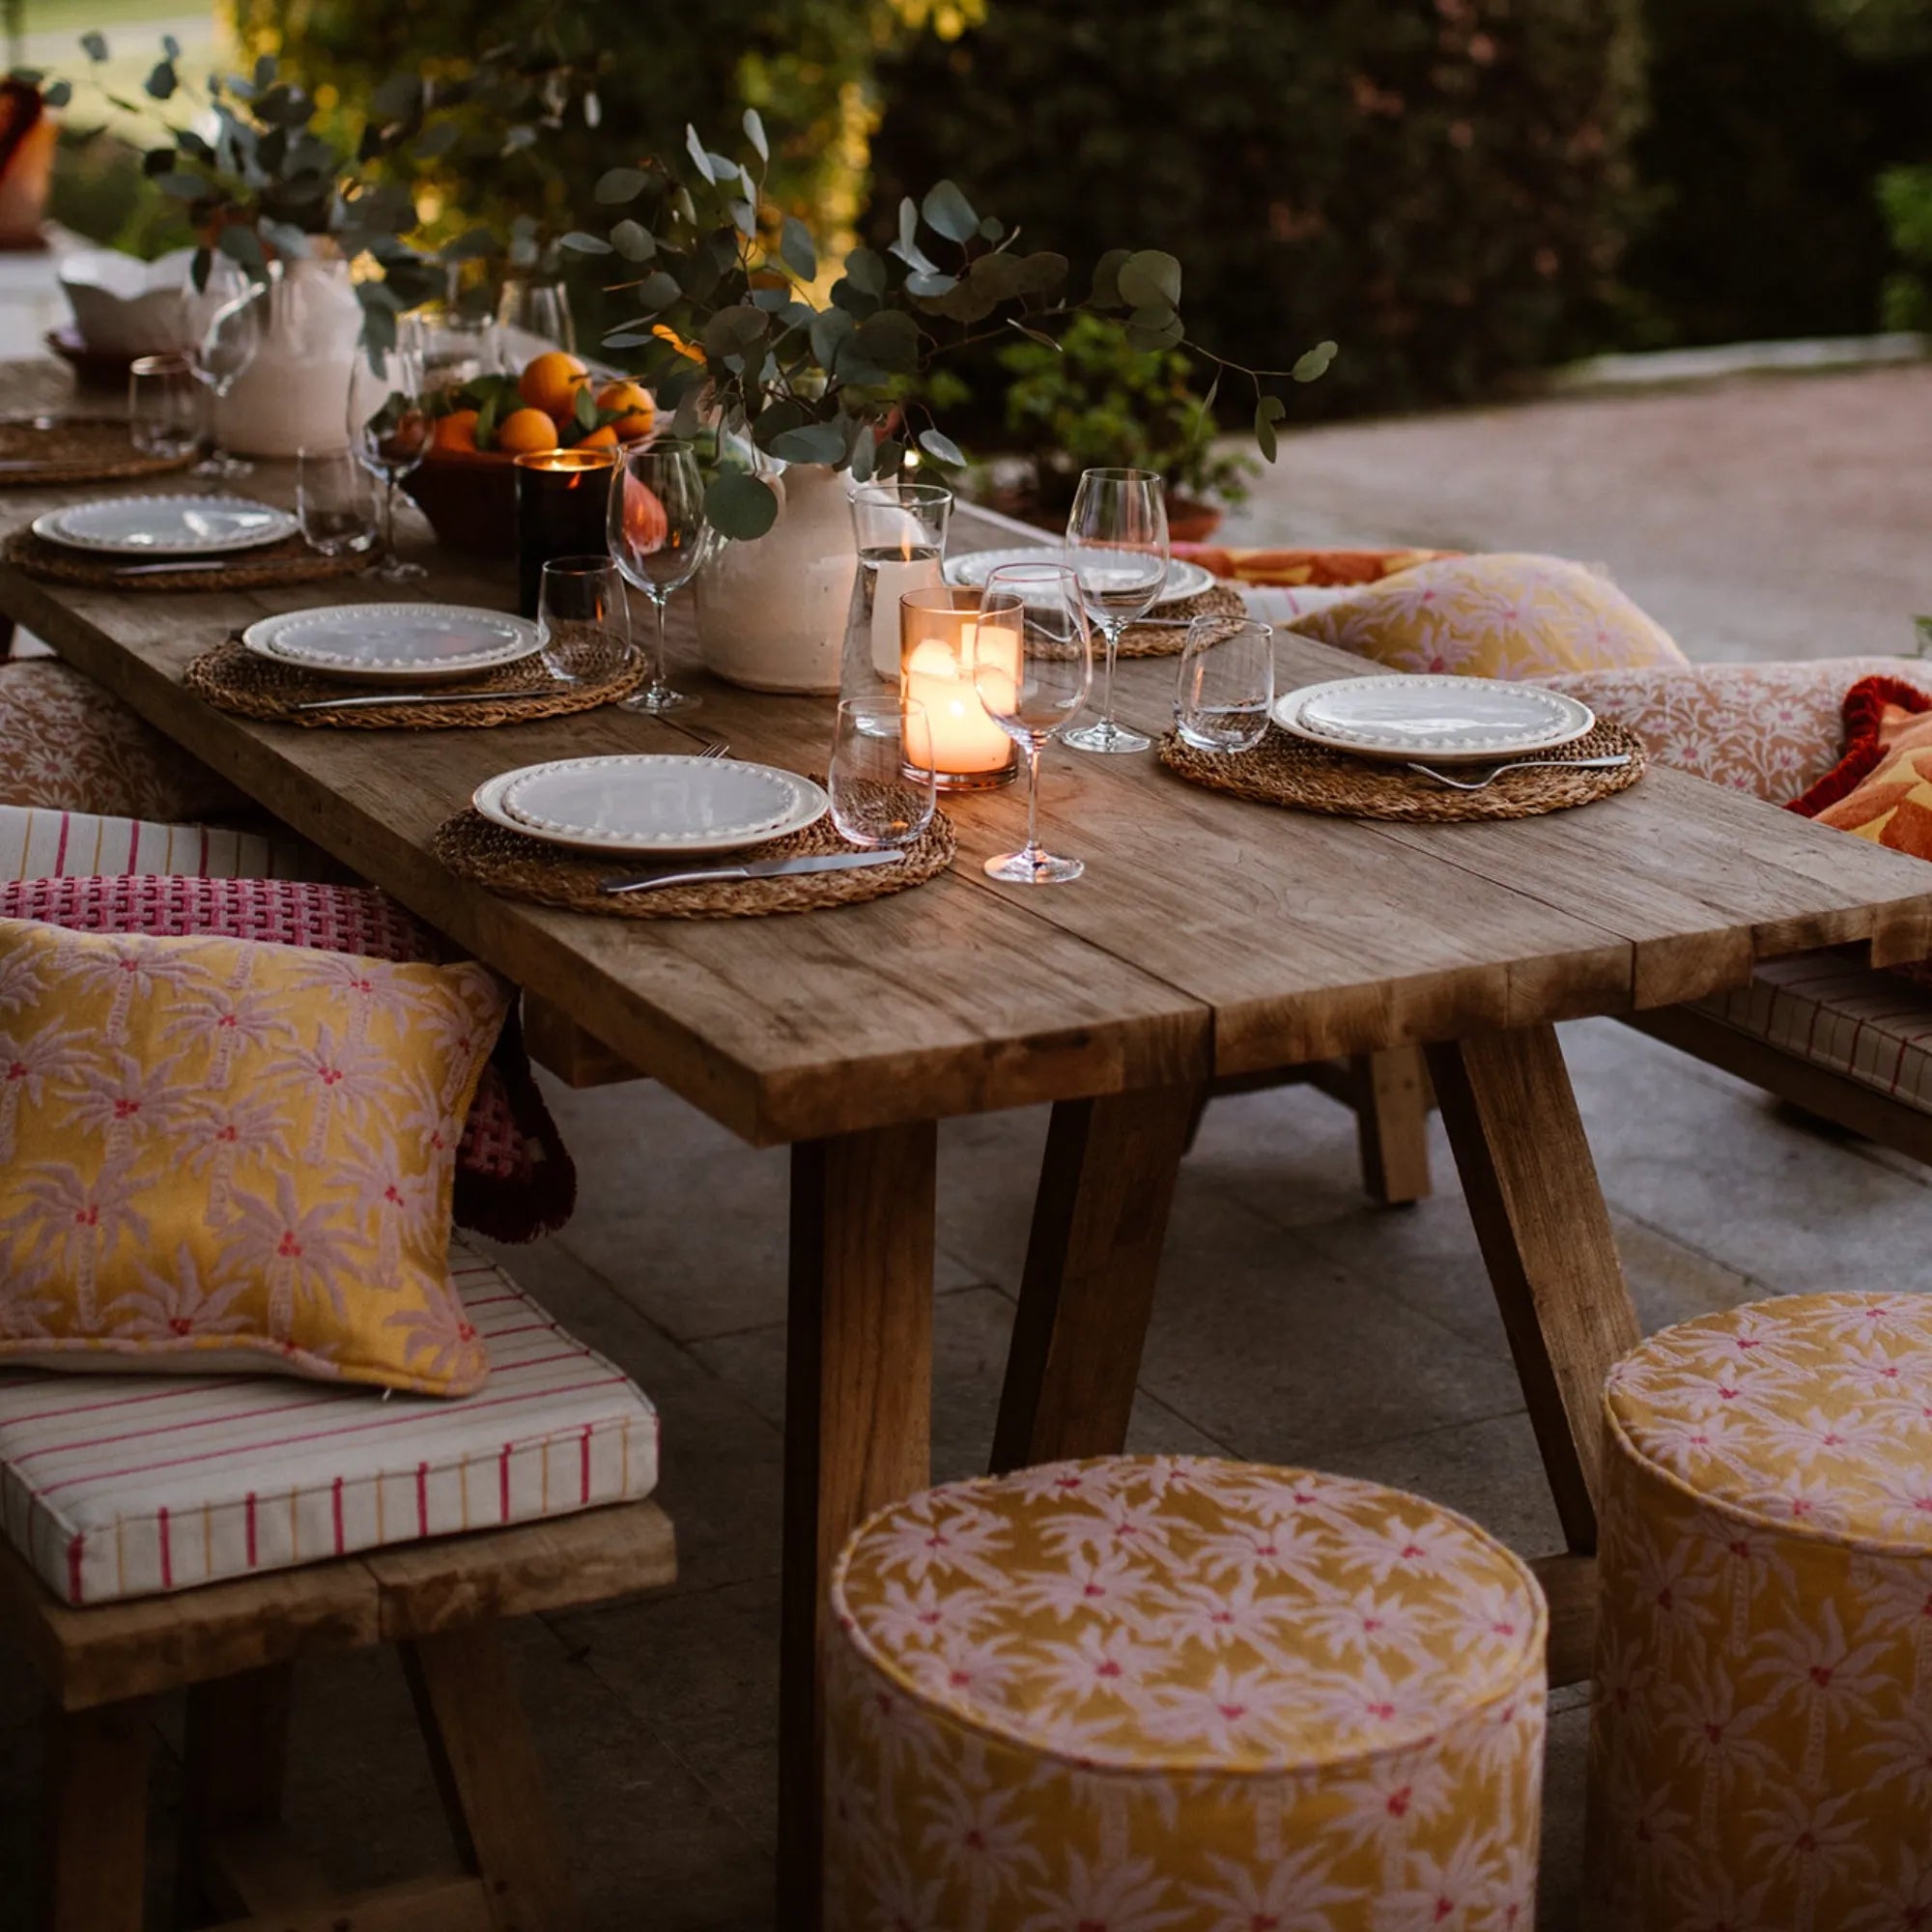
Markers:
466,484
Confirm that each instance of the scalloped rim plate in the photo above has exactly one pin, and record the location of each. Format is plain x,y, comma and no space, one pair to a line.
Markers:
1440,720
809,805
452,640
159,525
1184,578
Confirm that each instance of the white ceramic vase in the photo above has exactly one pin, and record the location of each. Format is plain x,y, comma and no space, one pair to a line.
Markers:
771,614
294,394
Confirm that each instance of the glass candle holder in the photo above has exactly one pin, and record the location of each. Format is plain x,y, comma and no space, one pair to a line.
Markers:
561,497
940,644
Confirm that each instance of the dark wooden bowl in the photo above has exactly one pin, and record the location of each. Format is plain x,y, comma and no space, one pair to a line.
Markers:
470,503
95,368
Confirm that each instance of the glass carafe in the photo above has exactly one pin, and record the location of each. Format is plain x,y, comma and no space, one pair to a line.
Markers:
900,529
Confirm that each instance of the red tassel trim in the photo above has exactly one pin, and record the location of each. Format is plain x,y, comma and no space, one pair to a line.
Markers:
1865,706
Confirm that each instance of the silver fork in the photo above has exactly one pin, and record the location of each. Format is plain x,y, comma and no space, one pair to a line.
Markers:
1608,762
710,747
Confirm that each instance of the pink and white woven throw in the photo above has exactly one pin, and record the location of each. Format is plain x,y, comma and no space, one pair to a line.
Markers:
515,1178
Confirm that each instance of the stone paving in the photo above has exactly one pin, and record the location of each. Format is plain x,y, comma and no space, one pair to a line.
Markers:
1295,1323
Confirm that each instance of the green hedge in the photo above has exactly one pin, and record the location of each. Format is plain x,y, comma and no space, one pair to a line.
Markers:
1441,184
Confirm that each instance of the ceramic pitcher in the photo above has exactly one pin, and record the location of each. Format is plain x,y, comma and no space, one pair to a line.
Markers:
294,395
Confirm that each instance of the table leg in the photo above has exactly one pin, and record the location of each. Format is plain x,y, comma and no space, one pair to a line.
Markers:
1545,1236
1099,1220
858,1420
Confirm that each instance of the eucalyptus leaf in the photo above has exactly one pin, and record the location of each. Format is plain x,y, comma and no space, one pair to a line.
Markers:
864,448
240,244
1149,278
633,240
265,70
522,135
171,47
865,269
658,290
1038,335
942,448
743,216
617,186
830,327
57,92
1153,328
755,132
1313,365
774,301
948,212
94,46
890,339
908,223
182,187
476,244
889,459
812,442
774,419
1041,273
626,338
700,158
735,330
991,229
853,299
1268,411
201,265
433,143
797,250
741,507
288,241
585,245
1106,290
931,285
162,82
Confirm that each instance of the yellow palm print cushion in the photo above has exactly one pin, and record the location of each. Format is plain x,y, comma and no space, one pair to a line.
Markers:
1503,615
218,1154
1174,1695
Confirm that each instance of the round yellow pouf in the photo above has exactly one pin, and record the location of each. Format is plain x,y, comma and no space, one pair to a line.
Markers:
1172,1695
1761,1736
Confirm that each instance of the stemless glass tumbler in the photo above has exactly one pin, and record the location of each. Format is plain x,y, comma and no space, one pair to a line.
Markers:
879,796
660,538
1225,691
161,406
1034,670
333,502
1117,541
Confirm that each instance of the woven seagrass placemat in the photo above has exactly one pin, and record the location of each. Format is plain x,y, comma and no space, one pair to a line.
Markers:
232,678
527,869
1285,769
1166,638
289,561
37,450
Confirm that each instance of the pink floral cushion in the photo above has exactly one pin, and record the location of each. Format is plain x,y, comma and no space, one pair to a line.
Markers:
515,1178
66,743
1771,729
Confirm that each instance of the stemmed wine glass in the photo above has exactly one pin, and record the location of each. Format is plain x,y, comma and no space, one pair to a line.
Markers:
659,538
1033,666
389,431
1117,541
226,327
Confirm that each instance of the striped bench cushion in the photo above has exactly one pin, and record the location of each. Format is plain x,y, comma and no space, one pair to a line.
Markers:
126,1485
1826,1008
39,843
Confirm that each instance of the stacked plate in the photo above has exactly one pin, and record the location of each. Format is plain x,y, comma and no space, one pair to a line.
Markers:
185,526
393,644
1437,720
1184,578
648,806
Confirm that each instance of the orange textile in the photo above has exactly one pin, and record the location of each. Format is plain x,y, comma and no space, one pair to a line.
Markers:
1316,568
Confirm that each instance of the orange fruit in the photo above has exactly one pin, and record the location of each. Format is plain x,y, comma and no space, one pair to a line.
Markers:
527,432
456,432
603,437
625,398
550,382
640,422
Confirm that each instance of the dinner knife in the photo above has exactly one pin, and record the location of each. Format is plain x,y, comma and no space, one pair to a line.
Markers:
749,868
428,697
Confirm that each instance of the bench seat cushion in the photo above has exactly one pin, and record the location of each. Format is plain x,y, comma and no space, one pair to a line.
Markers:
126,1485
1826,1007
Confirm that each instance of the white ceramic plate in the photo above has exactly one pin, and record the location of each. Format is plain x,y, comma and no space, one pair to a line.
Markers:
640,805
1184,578
417,643
1436,719
166,525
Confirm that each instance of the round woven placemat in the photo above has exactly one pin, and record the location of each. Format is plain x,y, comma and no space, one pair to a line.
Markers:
74,449
289,561
1166,638
527,869
231,677
1285,769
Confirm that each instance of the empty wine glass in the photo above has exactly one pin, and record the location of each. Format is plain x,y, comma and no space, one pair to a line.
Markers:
458,349
583,620
660,538
226,331
1226,688
880,796
389,431
1116,540
332,502
1033,666
531,305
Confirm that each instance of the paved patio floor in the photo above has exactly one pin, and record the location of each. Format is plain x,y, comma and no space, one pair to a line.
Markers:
1295,1323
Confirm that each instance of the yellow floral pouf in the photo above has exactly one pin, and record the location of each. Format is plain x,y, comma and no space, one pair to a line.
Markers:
1170,1694
1761,1738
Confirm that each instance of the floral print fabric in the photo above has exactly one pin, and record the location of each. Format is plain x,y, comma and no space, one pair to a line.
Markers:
1502,615
1761,1746
234,1154
1171,1694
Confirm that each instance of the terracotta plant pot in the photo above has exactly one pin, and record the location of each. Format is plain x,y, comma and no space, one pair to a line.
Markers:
470,503
1191,522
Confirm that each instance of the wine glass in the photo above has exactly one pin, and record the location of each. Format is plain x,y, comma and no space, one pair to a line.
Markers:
583,620
1117,541
659,537
1032,665
389,431
530,305
226,328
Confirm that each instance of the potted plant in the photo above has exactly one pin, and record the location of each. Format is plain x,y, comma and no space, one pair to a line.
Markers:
730,333
1094,400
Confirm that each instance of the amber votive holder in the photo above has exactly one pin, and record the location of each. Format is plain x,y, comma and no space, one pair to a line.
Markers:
564,498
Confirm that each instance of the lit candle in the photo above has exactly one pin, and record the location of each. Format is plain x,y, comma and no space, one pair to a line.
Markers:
942,640
562,495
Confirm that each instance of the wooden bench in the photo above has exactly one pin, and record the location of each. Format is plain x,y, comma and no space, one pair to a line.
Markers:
233,1646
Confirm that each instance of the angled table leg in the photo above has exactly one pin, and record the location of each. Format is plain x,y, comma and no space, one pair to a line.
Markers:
858,1420
1545,1236
1098,1225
